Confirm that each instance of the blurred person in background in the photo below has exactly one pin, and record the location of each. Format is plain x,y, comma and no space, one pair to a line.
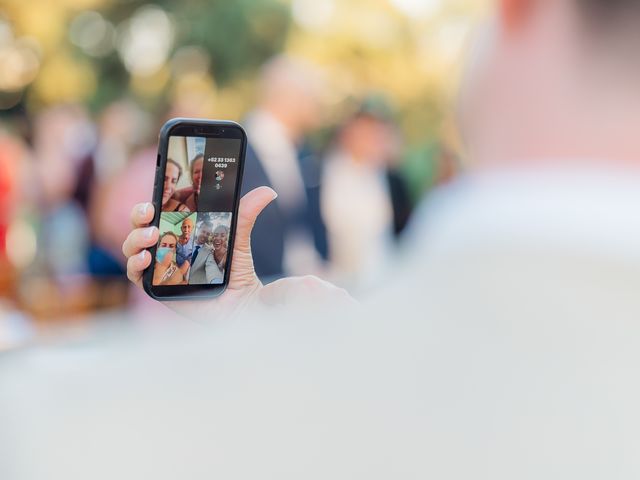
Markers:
15,328
184,248
14,154
172,175
189,195
63,141
289,237
365,202
125,167
123,127
167,271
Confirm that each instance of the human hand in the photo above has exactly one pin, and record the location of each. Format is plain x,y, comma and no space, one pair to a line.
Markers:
244,287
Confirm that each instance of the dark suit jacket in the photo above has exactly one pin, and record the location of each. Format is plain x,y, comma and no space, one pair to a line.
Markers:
400,201
268,237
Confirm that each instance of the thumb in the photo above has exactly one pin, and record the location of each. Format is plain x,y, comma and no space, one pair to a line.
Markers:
251,205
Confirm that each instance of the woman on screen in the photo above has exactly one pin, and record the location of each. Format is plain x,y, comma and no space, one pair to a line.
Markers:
172,175
166,271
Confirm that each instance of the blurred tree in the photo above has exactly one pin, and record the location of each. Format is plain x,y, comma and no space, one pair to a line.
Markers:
237,37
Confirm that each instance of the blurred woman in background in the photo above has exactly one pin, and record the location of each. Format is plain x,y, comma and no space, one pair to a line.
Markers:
364,201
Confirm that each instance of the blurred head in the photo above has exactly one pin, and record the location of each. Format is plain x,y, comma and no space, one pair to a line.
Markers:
172,174
220,235
186,228
290,90
554,80
126,122
196,172
369,139
204,233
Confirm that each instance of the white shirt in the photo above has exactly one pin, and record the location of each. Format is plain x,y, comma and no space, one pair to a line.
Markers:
356,208
278,156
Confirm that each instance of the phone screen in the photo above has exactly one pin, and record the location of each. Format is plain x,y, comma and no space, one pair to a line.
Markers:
199,190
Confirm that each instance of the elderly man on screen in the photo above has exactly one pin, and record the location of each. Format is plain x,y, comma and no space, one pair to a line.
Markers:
184,248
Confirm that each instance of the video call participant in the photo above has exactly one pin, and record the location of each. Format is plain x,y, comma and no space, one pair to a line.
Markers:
184,247
166,271
220,244
204,269
189,195
172,175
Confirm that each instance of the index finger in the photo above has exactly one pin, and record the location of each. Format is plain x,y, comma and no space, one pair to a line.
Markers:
142,214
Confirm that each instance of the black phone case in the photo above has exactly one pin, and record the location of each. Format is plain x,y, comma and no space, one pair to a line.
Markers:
191,291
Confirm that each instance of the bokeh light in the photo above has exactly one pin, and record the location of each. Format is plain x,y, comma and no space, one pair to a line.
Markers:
313,14
19,59
93,34
418,7
145,40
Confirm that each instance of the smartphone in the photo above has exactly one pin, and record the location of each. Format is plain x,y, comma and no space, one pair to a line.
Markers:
196,196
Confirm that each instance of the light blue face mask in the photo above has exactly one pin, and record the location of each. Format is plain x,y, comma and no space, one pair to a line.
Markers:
162,252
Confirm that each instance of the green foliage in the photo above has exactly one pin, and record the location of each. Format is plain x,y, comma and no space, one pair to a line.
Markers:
239,35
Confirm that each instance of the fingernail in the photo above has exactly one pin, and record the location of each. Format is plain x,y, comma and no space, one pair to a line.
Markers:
275,195
143,209
148,232
141,255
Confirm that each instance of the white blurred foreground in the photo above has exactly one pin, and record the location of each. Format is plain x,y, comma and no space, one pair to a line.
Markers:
508,349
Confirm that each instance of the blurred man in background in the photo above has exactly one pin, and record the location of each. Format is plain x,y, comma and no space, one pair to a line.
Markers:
508,350
365,203
289,237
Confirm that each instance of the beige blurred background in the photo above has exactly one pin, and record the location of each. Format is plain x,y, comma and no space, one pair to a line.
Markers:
86,84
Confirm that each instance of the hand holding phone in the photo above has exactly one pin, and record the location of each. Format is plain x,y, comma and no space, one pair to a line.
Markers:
243,281
195,200
224,247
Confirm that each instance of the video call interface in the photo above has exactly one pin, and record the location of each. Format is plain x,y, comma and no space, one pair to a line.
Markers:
197,204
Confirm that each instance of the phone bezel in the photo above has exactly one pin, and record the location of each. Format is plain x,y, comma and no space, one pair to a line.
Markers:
195,128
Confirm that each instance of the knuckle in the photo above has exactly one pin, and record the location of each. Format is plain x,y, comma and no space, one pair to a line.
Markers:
133,272
125,247
129,273
311,282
